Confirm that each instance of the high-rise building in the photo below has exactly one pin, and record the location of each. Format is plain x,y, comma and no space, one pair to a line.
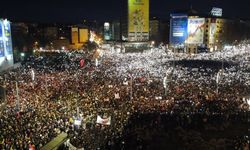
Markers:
154,28
107,32
115,31
135,20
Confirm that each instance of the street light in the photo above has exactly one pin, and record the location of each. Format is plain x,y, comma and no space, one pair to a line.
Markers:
166,81
17,97
46,86
4,91
32,77
131,84
218,78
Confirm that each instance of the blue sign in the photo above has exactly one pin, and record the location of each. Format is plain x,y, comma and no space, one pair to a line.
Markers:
7,33
1,41
178,28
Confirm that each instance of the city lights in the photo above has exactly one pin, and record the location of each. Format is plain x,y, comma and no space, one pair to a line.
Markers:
125,75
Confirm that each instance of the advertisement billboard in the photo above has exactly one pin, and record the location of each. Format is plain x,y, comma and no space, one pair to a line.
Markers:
216,12
195,30
212,32
83,35
6,53
178,28
138,19
1,40
7,35
74,35
107,31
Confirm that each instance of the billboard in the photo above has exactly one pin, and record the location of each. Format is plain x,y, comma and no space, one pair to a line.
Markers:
83,35
212,32
1,41
7,35
195,30
216,12
107,31
74,35
6,53
178,28
138,19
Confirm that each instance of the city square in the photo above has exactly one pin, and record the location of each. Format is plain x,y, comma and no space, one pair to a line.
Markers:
85,87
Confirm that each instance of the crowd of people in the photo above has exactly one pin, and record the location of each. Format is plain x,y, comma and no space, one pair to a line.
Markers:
119,86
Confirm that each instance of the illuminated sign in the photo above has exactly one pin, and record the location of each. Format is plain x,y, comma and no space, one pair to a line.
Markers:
83,35
1,41
7,34
138,18
216,12
6,53
107,31
74,35
195,30
178,28
212,33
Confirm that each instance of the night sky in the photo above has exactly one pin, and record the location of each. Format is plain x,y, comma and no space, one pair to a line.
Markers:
69,11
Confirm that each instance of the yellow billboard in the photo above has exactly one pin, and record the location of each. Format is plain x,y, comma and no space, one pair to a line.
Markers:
84,35
138,18
74,35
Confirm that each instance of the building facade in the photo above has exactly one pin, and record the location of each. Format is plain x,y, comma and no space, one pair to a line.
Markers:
135,20
6,52
79,36
115,31
154,30
199,33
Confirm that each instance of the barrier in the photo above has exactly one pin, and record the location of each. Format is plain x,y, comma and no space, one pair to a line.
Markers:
56,142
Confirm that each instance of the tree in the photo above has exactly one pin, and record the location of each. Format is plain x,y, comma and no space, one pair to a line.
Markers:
90,46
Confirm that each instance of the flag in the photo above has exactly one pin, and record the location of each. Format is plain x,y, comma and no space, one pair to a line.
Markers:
82,63
125,82
31,147
77,122
218,77
117,96
32,75
103,121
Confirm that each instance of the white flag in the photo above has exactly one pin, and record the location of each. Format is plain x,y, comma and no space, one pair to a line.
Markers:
32,75
77,122
103,121
117,96
125,82
218,77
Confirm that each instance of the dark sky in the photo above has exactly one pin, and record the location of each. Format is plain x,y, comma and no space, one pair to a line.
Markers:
77,10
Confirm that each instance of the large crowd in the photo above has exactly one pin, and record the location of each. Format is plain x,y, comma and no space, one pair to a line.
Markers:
119,86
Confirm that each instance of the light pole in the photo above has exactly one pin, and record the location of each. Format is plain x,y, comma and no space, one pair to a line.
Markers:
222,52
131,84
218,77
3,87
166,81
17,97
46,86
165,85
131,93
77,108
32,77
